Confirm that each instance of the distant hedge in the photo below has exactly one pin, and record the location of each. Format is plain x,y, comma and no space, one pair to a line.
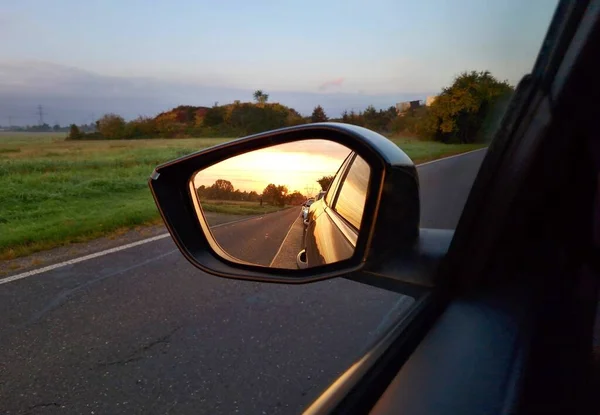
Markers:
230,120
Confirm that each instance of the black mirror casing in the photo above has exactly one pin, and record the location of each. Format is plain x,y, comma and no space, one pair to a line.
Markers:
390,218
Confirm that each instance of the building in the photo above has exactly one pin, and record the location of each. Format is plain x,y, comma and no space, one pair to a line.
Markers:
403,106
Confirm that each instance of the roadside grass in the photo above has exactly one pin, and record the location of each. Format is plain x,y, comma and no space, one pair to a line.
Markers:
54,192
422,151
239,207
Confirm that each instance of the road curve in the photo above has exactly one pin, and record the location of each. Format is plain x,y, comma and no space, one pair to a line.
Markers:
141,331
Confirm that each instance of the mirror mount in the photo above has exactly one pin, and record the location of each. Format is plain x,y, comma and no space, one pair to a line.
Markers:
411,271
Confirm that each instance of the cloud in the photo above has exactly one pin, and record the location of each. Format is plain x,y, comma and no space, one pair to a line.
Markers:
333,82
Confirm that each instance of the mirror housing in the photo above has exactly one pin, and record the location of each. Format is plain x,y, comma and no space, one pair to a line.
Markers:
390,219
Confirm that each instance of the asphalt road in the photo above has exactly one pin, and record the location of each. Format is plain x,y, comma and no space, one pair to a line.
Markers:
141,331
256,240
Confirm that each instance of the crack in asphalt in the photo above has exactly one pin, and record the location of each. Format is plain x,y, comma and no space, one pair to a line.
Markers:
138,353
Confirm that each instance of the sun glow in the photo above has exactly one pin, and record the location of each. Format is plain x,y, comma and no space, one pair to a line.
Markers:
296,165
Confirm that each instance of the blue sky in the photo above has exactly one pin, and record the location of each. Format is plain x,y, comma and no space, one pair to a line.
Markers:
142,56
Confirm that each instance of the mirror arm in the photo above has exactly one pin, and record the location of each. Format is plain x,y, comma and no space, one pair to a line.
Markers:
411,272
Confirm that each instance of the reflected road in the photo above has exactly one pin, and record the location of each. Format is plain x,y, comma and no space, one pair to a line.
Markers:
257,239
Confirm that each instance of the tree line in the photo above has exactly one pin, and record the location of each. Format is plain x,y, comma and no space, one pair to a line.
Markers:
467,111
230,120
276,195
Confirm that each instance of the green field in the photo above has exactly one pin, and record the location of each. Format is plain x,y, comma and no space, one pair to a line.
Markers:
53,192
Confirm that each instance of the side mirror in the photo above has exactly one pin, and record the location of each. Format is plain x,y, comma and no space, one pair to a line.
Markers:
236,210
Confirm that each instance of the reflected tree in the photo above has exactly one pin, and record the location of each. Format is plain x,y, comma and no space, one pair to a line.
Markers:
223,189
295,198
275,194
325,181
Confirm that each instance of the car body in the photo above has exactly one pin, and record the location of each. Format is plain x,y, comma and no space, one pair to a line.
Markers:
305,208
332,231
308,206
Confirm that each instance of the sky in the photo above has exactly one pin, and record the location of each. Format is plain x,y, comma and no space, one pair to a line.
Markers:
296,165
80,59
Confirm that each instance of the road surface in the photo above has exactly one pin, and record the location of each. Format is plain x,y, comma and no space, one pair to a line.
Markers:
256,240
141,331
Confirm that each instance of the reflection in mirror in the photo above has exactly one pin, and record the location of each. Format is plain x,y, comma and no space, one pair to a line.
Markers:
294,205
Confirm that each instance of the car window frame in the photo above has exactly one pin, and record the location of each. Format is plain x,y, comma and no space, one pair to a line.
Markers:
341,187
334,186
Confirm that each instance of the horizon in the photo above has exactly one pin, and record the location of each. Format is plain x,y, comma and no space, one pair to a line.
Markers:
297,165
133,60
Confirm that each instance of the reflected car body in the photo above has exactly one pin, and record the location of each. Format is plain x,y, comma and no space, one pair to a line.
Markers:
305,208
331,232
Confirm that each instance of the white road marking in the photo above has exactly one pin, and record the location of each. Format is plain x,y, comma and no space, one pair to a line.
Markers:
156,238
451,157
284,239
80,259
99,254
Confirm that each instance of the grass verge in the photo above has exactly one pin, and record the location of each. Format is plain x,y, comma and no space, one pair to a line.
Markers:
55,192
423,151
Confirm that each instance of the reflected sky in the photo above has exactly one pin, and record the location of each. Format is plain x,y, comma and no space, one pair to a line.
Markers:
296,165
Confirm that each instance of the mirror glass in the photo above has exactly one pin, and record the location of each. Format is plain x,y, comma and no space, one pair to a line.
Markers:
294,205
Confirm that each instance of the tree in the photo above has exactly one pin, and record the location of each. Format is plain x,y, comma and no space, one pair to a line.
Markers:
74,133
295,198
465,111
275,194
256,118
354,118
392,112
345,116
318,115
141,127
325,181
111,126
214,116
201,191
260,96
221,190
371,118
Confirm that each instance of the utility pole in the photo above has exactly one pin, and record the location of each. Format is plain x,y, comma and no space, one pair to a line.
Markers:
40,112
309,190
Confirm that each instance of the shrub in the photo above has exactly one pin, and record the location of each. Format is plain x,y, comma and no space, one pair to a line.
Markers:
111,126
74,133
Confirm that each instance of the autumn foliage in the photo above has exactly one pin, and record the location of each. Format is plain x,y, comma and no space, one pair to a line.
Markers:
467,111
